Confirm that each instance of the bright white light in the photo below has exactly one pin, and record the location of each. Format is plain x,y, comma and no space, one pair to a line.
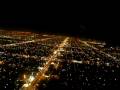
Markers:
52,63
26,85
24,76
31,78
98,58
26,56
46,63
75,61
46,76
107,64
40,68
55,52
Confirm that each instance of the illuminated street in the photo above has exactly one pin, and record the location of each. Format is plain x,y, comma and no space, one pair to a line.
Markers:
37,61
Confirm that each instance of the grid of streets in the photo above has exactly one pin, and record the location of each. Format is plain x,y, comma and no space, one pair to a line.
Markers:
31,61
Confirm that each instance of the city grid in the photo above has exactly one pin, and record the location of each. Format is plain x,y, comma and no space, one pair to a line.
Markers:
39,61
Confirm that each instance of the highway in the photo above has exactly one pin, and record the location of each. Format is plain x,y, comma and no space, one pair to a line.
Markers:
40,75
25,42
100,51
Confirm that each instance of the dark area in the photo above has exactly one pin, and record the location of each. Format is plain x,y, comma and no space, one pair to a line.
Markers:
102,27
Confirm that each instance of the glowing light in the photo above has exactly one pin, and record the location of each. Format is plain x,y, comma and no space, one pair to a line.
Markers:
107,64
26,85
75,61
45,35
61,49
59,53
52,63
24,76
55,52
40,68
31,78
1,62
46,76
34,80
26,56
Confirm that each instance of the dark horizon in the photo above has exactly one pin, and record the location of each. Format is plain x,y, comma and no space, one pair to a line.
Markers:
106,30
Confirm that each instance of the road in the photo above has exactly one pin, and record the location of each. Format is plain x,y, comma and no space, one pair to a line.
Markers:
72,50
25,42
100,51
40,75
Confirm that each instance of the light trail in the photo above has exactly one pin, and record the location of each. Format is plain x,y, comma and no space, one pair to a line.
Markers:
75,61
3,36
22,55
32,41
40,75
108,55
93,42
